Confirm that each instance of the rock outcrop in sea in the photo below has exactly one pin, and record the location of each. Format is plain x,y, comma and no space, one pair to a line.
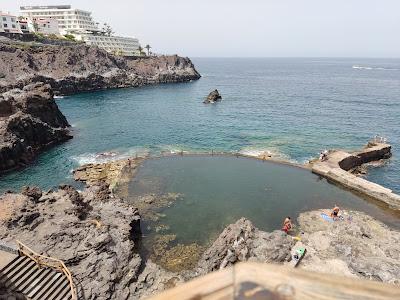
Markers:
30,122
213,97
74,68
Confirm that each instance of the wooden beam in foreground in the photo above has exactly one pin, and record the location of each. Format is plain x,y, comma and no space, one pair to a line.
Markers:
272,282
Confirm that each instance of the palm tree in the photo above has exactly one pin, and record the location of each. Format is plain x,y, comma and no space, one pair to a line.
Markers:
148,47
140,50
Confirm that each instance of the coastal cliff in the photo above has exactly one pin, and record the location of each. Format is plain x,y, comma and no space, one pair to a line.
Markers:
30,122
74,68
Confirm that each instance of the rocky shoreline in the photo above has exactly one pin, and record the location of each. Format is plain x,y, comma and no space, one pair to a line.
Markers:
31,74
97,235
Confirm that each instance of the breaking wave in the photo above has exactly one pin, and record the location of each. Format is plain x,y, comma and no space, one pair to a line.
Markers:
373,68
102,157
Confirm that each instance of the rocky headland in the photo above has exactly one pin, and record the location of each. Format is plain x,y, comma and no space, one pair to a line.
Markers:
30,122
75,68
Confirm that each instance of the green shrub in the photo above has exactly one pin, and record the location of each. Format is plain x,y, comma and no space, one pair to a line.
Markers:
69,37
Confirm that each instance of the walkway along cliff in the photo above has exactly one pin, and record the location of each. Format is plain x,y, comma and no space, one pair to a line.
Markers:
338,163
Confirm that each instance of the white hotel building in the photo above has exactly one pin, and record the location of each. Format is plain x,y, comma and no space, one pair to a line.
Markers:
69,19
119,45
9,23
80,23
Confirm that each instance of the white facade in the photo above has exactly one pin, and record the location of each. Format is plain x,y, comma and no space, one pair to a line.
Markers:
125,46
69,19
9,23
45,26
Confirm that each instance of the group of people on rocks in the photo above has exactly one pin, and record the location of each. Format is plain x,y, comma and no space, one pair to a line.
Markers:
287,223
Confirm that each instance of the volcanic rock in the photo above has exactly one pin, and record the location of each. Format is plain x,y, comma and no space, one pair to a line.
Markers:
73,68
213,97
30,121
356,246
241,241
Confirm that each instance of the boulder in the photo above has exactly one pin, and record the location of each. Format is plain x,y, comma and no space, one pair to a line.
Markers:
30,123
241,241
213,97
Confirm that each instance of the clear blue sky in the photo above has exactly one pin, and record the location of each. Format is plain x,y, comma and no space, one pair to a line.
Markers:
252,28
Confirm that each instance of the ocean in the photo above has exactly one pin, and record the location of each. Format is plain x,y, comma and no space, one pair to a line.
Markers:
292,107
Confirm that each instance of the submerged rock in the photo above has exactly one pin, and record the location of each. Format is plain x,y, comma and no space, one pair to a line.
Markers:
213,97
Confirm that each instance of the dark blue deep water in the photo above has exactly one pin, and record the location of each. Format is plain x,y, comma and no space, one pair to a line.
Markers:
291,107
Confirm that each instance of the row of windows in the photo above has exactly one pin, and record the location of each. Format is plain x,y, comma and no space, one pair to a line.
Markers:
105,39
5,25
116,45
12,19
51,13
75,22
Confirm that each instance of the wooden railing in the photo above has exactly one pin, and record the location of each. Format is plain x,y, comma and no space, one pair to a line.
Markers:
45,261
253,281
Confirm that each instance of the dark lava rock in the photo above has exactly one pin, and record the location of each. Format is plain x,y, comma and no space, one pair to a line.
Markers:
241,241
33,192
73,68
213,97
98,249
29,122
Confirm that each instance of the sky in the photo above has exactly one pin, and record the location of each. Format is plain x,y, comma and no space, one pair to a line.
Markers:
252,28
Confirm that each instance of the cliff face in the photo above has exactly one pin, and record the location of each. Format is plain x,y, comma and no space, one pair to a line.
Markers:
30,121
75,68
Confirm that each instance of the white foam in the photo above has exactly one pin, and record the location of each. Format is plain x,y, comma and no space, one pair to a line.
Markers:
102,157
58,97
373,68
268,152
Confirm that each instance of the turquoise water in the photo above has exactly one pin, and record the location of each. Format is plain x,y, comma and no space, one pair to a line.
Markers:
291,107
218,190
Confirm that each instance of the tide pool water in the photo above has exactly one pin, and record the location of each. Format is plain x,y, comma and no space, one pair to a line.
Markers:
218,190
293,108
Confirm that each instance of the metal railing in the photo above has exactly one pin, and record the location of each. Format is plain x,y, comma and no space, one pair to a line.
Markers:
50,262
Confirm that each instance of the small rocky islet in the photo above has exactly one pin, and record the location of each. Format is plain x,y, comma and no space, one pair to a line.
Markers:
98,235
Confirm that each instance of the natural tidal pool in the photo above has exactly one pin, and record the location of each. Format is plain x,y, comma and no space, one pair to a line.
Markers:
211,192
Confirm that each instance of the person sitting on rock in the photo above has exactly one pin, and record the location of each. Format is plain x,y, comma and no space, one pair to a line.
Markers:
323,155
335,212
287,225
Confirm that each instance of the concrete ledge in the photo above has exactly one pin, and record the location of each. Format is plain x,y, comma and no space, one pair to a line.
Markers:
338,162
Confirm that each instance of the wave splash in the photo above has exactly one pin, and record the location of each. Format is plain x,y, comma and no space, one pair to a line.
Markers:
107,156
373,68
